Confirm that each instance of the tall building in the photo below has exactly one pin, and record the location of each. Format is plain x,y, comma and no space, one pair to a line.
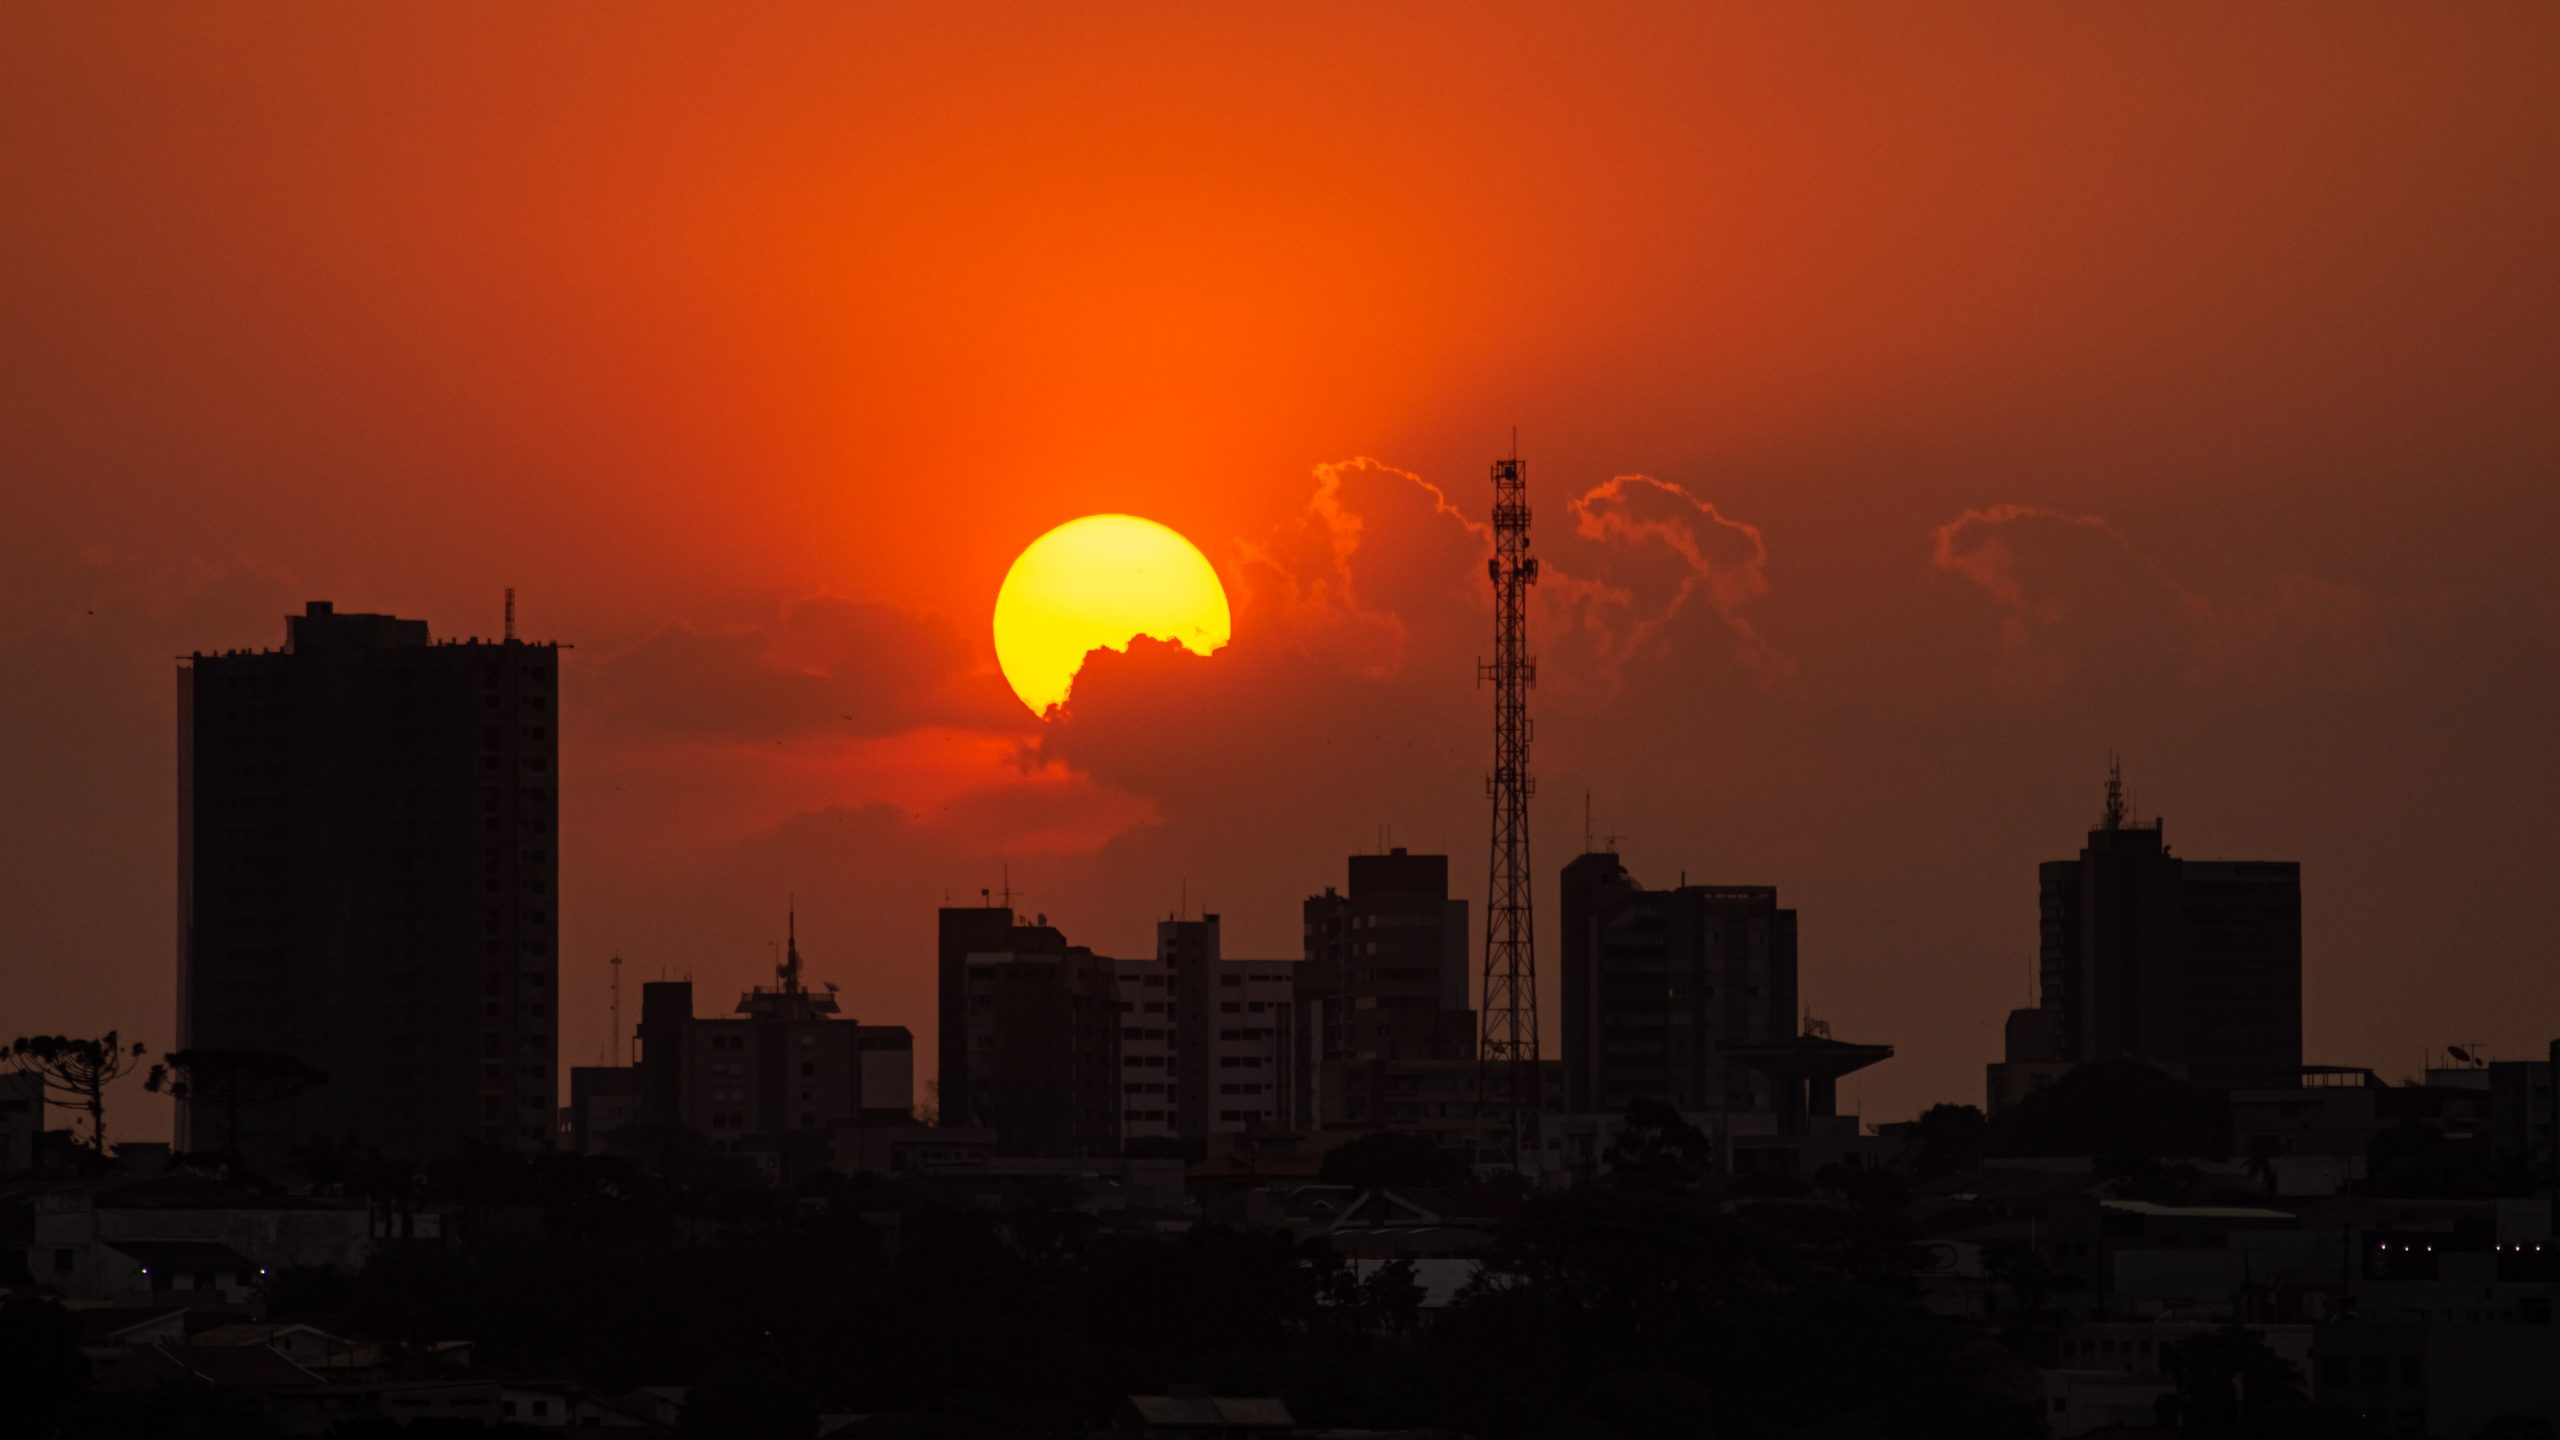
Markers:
2192,965
1038,1031
368,822
781,1075
964,931
1384,980
1659,985
1208,1045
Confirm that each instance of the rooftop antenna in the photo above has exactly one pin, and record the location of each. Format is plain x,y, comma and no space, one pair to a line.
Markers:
789,969
511,614
614,1051
1507,1048
2115,792
1586,790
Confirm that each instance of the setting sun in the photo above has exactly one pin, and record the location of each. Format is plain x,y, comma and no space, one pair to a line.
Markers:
1099,583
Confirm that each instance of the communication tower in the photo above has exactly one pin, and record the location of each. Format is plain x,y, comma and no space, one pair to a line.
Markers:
1507,1047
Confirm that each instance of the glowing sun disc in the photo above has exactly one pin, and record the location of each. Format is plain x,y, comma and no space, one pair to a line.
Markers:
1097,584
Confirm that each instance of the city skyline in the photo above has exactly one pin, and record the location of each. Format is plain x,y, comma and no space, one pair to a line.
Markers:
1887,484
1435,722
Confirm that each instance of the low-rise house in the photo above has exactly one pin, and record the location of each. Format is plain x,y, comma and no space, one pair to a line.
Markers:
190,1236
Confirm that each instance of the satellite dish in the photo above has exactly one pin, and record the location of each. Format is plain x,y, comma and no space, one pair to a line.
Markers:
831,987
2458,1053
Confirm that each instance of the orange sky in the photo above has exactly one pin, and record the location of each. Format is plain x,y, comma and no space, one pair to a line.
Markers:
2022,383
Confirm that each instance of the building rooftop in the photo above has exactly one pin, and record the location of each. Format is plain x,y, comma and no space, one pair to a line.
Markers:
251,1366
1213,1411
186,1257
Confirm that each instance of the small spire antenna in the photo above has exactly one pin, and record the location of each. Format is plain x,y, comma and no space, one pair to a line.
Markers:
617,1050
511,614
789,969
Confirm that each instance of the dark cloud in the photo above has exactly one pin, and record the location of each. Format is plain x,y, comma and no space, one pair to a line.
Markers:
1649,551
2081,605
823,664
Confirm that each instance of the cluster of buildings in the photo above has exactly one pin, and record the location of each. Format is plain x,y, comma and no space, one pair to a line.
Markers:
2192,965
2424,1297
1054,1055
1686,996
369,883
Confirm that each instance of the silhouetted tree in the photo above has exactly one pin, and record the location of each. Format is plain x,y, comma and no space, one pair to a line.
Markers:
1948,1139
230,1082
1394,1294
2122,1109
1392,1157
2030,1279
1650,1311
1658,1149
2228,1383
75,1073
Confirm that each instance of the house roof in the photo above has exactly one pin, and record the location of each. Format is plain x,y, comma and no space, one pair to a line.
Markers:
186,1257
197,1192
252,1366
2004,1185
1228,1411
259,1333
1413,1240
1237,1165
2195,1212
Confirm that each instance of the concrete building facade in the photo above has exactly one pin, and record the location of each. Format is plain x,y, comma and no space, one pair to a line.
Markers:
1040,1035
1208,1045
1659,984
1383,982
963,931
368,827
2193,966
781,1074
